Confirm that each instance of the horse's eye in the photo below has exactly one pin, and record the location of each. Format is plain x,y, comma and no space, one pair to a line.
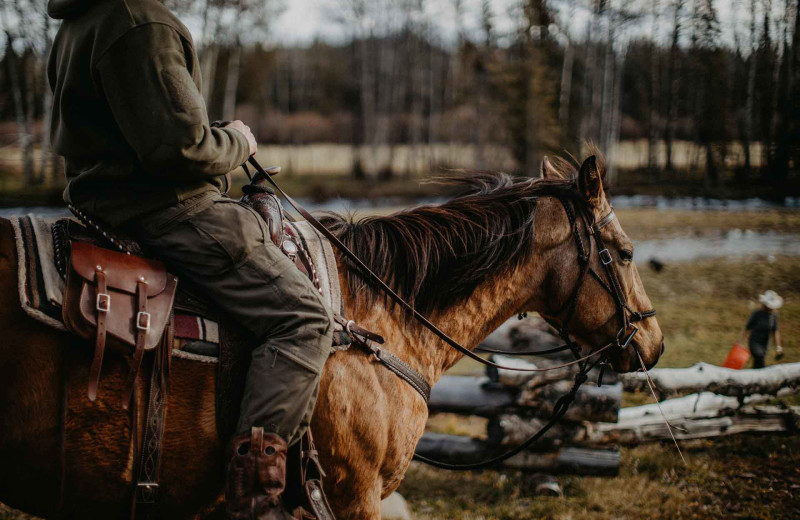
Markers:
626,255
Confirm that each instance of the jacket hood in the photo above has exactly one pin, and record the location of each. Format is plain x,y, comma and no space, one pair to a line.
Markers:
66,9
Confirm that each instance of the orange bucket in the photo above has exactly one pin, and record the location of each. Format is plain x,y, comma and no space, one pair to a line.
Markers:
737,357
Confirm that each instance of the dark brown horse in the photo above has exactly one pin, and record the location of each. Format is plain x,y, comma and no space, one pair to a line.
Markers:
469,264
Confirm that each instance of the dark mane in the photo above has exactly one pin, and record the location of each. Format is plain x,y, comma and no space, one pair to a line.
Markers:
436,256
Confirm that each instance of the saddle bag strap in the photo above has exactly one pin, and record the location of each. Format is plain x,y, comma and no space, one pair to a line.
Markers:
142,327
146,493
103,306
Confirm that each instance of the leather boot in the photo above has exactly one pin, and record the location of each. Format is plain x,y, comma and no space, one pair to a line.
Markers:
256,477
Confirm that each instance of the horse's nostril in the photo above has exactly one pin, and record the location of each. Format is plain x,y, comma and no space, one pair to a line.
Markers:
663,347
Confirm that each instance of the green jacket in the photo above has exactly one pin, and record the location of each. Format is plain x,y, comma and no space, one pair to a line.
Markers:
128,116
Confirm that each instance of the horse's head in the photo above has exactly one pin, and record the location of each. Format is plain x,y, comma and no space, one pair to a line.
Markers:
591,285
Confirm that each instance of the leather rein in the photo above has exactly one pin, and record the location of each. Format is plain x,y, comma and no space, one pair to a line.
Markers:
626,317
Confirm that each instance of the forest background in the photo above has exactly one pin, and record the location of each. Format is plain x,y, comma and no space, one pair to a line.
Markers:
698,97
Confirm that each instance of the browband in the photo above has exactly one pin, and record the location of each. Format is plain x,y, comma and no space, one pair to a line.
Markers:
606,220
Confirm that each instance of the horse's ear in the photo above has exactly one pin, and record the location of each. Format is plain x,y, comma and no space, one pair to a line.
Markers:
590,181
546,170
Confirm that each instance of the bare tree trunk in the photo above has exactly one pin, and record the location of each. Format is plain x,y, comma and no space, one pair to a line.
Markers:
367,96
597,78
232,81
47,105
652,141
611,170
672,85
13,63
782,144
606,109
751,90
566,87
585,127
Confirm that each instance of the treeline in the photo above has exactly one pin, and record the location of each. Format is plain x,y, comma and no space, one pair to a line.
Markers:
658,70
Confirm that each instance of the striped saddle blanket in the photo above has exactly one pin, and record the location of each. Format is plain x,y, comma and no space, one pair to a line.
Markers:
41,286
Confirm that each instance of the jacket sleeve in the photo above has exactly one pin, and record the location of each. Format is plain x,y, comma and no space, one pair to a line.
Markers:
159,109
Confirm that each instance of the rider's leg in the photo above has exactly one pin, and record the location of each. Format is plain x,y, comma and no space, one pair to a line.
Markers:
226,252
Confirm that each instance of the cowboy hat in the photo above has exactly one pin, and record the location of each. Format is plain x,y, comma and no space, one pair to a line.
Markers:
771,299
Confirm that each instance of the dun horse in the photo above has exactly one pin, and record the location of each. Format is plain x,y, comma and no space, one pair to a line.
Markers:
469,264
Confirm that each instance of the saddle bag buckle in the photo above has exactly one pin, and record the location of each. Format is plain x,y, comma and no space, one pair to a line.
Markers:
605,257
143,321
103,302
147,492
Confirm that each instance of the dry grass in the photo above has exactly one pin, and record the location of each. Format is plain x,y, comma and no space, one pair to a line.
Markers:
649,224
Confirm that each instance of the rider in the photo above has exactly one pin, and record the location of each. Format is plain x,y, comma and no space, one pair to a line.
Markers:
140,154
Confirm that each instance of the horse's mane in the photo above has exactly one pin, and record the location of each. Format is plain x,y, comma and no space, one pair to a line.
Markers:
436,256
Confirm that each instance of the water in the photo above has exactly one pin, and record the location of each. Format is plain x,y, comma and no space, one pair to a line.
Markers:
735,243
701,203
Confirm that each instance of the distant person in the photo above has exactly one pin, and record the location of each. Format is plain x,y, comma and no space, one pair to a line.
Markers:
762,324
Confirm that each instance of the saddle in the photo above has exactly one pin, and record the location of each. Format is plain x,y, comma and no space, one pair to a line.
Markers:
125,301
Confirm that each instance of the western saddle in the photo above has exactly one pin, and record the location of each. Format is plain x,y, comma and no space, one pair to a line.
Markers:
121,300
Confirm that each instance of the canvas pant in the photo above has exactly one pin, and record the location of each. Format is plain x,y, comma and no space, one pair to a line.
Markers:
224,249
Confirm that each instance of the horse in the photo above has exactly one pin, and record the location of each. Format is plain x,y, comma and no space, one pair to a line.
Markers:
504,246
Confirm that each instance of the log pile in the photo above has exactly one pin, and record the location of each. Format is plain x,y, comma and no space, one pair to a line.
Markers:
517,404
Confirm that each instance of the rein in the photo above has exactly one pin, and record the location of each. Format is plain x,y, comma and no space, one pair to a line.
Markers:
613,287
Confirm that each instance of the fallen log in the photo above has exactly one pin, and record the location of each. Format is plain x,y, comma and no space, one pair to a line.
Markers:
512,430
480,396
516,379
700,425
458,449
697,403
531,333
704,377
471,396
592,403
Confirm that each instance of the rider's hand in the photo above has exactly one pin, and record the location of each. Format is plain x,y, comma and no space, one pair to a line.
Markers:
778,351
245,130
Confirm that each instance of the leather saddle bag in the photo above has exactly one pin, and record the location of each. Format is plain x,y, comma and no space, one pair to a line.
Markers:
117,299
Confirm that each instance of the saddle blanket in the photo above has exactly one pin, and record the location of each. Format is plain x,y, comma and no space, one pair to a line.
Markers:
41,288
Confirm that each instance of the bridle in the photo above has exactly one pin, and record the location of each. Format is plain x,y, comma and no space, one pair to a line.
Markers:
622,340
625,315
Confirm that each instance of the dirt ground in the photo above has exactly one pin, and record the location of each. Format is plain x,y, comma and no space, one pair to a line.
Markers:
742,477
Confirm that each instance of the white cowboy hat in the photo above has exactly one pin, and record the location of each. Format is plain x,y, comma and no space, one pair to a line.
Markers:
771,299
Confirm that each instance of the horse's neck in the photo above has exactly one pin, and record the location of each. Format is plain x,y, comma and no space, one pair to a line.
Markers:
500,297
